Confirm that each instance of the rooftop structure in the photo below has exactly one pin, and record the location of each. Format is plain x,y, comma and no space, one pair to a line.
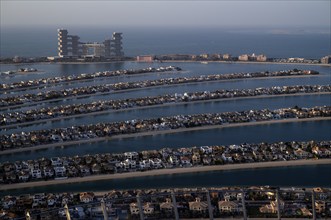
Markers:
70,46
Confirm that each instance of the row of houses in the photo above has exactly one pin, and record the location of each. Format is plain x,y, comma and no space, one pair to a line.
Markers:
9,118
228,57
103,88
84,76
67,167
188,202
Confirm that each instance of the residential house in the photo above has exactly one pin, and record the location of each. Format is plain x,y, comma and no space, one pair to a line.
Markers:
156,163
321,194
134,209
305,212
185,161
197,205
148,209
86,197
96,168
167,206
8,201
320,206
23,176
228,206
131,155
84,170
173,160
196,158
56,161
60,171
301,153
48,172
36,173
206,149
272,207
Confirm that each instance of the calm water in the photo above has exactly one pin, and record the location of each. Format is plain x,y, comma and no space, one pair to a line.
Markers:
304,176
191,69
137,41
303,131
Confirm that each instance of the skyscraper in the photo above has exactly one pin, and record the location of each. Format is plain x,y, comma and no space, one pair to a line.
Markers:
116,45
70,46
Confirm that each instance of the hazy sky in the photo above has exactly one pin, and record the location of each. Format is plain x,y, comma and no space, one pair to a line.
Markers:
164,13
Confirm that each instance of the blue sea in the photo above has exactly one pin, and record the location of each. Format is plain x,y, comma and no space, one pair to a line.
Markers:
291,42
181,41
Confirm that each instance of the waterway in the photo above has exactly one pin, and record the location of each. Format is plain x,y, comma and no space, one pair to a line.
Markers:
181,109
301,131
302,176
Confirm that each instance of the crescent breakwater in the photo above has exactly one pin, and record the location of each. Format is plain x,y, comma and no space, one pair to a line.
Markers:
92,132
14,101
187,159
32,116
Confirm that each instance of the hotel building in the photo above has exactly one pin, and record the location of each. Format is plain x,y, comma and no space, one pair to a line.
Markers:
70,46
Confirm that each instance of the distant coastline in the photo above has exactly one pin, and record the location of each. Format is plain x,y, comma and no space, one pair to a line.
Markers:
246,62
160,172
168,61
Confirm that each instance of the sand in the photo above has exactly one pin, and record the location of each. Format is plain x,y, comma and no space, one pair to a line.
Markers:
169,172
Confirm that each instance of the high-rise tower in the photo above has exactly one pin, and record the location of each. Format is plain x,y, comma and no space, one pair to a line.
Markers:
68,45
117,45
62,37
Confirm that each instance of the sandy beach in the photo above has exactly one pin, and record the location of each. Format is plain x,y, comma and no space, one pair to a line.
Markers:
150,133
169,172
146,88
156,106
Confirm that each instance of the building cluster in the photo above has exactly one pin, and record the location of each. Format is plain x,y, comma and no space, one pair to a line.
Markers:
32,115
228,57
234,202
326,59
71,46
166,158
102,130
83,76
203,57
89,90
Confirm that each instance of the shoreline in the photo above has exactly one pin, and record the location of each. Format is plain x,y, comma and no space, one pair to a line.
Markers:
172,61
159,132
146,88
175,171
244,62
17,125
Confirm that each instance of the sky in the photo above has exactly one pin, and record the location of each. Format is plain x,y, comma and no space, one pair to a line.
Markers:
51,13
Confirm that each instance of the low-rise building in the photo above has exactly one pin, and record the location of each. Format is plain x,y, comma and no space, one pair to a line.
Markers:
167,206
326,59
145,58
197,205
228,206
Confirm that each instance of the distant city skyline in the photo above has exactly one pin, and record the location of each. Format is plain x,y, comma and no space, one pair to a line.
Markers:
165,14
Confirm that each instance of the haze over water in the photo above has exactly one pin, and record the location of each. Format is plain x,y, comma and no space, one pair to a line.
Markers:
273,42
